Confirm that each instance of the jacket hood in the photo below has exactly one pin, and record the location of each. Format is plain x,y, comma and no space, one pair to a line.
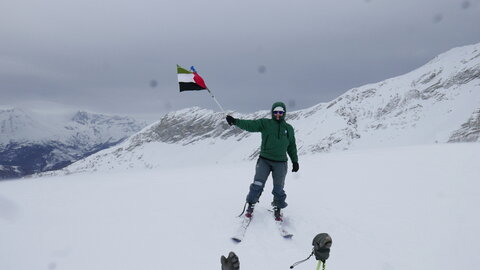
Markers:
281,104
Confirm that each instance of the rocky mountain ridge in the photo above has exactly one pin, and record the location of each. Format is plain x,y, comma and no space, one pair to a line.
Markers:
436,103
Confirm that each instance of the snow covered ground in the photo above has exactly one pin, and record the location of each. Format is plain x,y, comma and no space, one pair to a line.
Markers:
413,207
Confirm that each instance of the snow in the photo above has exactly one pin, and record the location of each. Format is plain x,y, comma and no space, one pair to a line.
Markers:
410,207
372,175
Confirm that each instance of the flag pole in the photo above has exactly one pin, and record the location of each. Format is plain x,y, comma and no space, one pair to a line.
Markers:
216,101
199,81
220,106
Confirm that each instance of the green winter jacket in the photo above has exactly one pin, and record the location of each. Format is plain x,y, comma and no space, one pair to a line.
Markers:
278,137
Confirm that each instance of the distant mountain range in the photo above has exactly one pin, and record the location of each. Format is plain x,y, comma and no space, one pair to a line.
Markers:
32,142
436,103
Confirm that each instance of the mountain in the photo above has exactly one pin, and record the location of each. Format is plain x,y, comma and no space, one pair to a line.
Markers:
436,103
32,142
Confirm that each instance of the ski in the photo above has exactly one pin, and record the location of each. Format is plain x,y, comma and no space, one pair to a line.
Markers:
281,226
238,237
281,229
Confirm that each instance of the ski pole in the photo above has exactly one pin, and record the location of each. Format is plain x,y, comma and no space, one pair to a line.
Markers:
318,265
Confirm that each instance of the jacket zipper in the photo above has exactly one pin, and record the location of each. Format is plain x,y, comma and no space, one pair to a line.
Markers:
278,132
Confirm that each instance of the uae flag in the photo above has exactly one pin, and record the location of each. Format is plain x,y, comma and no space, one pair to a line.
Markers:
190,80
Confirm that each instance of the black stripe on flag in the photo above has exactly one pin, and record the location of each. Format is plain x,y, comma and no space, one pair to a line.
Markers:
190,86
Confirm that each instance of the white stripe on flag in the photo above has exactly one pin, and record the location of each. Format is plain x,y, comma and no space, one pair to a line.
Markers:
182,77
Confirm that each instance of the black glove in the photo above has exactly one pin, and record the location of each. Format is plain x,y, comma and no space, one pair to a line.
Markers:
230,263
295,167
230,120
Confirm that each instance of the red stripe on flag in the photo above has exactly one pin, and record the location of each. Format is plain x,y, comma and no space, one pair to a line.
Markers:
198,80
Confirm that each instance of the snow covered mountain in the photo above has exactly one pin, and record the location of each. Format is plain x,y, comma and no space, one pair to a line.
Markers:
32,142
436,103
396,204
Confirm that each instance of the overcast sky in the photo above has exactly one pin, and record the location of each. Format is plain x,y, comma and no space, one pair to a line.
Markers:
120,56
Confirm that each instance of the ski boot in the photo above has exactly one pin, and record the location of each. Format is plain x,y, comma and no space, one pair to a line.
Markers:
277,213
250,208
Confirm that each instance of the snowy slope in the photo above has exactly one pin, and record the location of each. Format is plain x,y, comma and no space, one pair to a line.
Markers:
392,208
33,141
436,103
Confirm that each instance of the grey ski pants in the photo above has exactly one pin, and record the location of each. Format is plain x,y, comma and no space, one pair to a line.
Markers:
279,171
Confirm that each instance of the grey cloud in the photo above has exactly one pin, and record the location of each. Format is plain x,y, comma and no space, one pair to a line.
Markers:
106,55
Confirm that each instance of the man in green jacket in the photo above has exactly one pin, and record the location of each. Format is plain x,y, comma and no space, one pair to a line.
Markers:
278,140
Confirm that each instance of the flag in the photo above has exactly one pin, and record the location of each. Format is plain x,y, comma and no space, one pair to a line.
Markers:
190,80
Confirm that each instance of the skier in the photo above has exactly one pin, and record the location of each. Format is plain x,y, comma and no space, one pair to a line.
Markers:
278,140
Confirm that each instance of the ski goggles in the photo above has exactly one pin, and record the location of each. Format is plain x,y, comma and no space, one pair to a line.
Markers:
278,112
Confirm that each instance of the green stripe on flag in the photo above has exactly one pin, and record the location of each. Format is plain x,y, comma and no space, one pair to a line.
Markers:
182,70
